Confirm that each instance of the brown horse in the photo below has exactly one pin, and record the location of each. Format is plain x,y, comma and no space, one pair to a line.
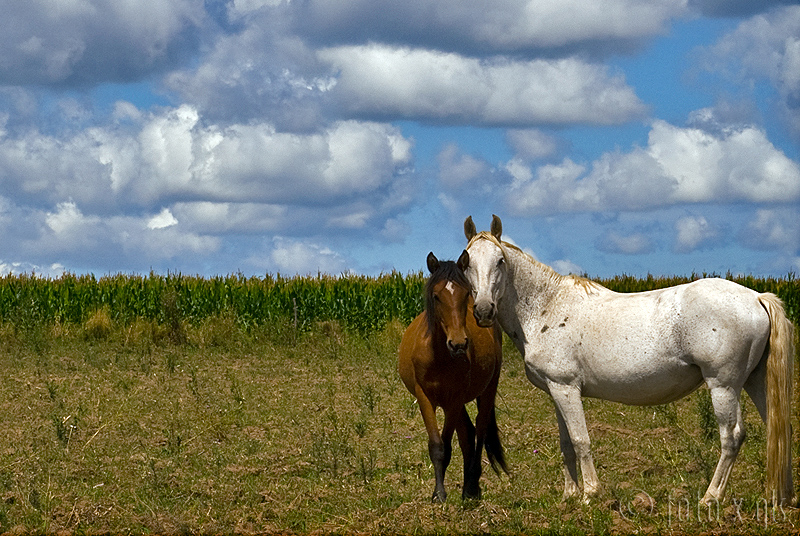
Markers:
446,361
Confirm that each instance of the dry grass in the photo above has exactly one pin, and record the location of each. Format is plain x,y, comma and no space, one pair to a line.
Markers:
207,429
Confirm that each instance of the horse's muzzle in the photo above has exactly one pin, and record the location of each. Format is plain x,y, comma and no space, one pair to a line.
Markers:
485,316
458,349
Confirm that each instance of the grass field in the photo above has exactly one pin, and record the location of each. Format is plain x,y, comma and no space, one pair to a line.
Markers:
174,424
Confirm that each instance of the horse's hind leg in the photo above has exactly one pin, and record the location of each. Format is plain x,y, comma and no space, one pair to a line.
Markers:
756,387
731,434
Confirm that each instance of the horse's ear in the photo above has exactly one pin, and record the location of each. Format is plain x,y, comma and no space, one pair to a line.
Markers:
497,227
433,262
469,228
463,261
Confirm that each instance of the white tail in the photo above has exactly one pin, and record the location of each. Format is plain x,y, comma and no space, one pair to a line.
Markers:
780,379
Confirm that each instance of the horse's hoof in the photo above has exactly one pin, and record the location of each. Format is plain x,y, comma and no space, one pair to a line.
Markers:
709,501
473,496
471,491
570,495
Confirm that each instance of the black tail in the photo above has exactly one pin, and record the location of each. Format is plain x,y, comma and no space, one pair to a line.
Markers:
494,449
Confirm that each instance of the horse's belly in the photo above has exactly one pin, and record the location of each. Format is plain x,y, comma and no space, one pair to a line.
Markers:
643,384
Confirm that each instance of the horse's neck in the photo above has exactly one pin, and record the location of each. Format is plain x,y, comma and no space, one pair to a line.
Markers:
531,285
534,289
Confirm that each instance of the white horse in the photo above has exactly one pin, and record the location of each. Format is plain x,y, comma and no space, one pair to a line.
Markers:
580,339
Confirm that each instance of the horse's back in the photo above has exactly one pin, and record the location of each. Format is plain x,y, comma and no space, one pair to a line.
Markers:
680,318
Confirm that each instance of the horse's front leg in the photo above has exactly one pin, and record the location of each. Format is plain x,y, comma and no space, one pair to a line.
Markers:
439,447
575,444
471,454
571,487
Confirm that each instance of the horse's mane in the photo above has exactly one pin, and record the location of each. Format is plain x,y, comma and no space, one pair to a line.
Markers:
587,284
447,271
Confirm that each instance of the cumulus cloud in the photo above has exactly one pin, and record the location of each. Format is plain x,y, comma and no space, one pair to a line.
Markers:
52,271
162,220
567,267
156,185
694,232
628,244
531,144
766,46
306,78
174,156
262,71
391,83
500,27
735,8
209,217
78,43
65,232
303,257
773,229
459,170
679,165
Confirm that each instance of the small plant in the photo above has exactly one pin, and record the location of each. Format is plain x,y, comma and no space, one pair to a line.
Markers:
331,451
99,325
173,317
708,419
367,466
64,428
667,412
236,390
171,360
369,398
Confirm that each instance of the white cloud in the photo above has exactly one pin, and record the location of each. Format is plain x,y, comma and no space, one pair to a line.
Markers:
629,244
388,82
567,267
175,156
734,8
765,46
58,42
261,72
502,26
694,232
777,229
302,257
209,217
531,144
162,220
53,271
70,230
459,170
679,165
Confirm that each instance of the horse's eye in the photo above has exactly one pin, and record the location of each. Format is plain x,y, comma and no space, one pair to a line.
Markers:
501,262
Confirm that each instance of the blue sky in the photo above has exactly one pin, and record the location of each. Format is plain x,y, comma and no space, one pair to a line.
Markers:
304,136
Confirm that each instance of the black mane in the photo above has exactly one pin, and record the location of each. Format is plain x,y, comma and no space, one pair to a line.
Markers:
447,271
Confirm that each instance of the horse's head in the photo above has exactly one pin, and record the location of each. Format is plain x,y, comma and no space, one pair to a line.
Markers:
447,296
487,269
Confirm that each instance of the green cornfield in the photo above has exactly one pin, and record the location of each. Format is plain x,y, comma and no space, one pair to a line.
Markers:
358,303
